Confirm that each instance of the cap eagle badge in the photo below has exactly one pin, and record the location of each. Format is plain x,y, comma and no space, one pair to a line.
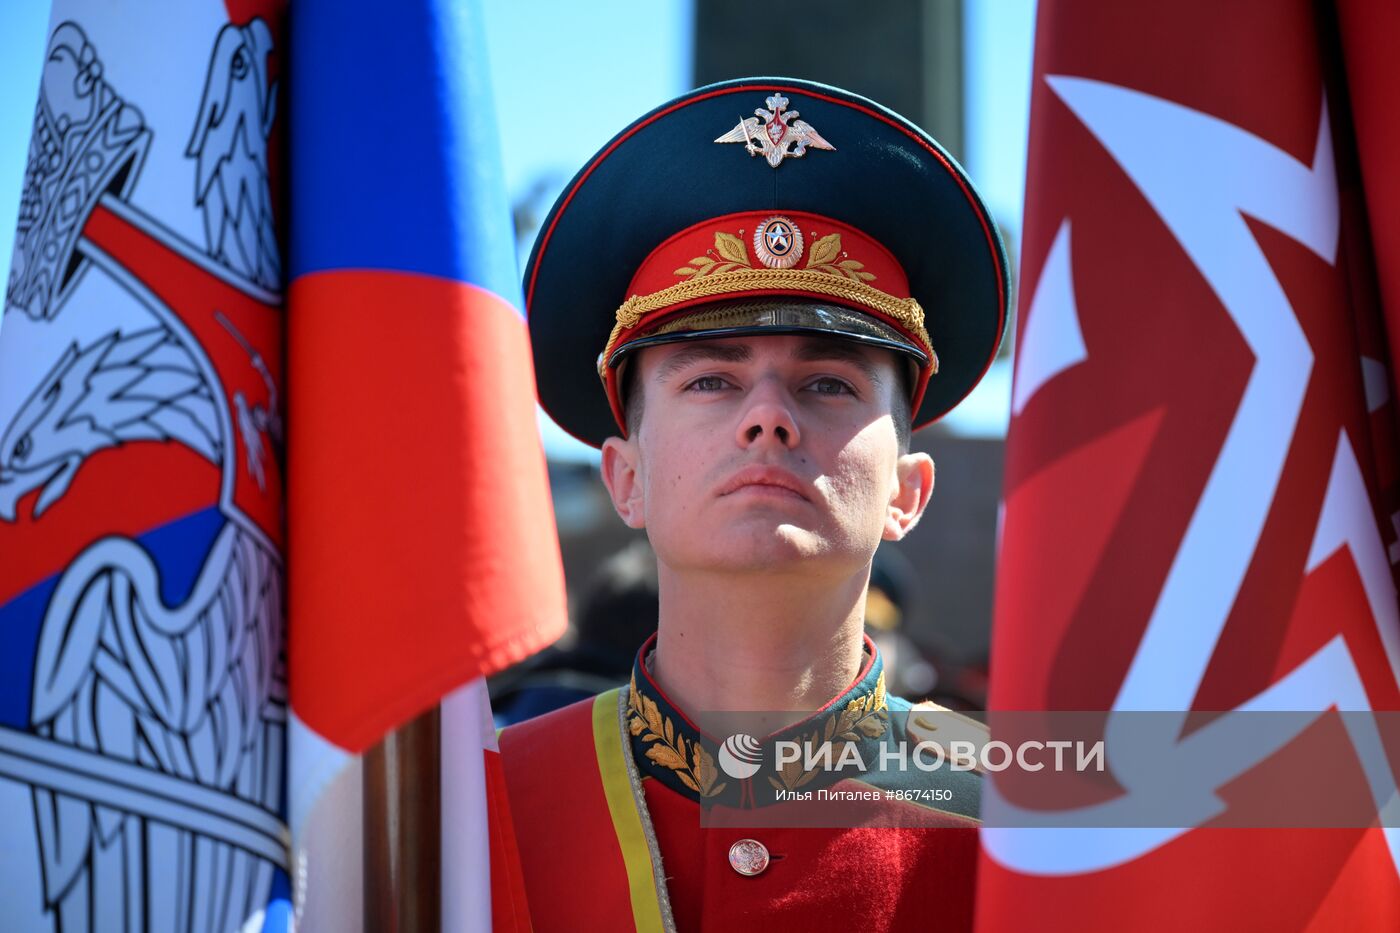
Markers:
779,136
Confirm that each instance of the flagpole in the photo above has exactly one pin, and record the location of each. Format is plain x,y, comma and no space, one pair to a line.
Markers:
402,829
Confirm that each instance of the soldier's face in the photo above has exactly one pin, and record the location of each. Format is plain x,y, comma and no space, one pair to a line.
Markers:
767,454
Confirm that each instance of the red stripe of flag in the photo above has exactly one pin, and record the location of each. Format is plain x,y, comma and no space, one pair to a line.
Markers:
416,460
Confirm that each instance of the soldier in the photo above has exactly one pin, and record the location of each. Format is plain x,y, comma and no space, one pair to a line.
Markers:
771,308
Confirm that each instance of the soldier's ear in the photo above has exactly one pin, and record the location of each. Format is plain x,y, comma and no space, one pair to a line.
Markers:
620,464
914,473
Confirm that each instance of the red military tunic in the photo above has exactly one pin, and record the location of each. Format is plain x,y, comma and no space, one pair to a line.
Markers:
590,853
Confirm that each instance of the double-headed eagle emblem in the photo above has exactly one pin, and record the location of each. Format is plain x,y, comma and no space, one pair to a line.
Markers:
779,136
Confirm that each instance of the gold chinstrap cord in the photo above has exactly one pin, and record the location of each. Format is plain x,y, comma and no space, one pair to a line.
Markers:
905,311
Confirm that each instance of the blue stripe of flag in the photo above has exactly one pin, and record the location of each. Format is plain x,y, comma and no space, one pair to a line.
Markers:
395,163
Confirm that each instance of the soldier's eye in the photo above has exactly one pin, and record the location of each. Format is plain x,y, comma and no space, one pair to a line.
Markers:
707,384
22,447
240,64
830,385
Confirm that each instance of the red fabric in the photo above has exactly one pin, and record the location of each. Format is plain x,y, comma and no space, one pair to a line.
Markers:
870,878
573,870
1198,259
1212,879
416,457
1370,35
510,909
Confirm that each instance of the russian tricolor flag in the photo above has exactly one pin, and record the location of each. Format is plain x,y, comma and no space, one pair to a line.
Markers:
422,548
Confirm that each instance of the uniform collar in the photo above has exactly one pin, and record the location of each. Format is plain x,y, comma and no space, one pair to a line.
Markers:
669,747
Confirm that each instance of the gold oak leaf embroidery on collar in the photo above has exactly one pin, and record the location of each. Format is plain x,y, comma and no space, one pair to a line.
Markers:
692,764
865,716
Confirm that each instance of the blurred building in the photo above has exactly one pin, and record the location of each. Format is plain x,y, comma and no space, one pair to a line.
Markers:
906,54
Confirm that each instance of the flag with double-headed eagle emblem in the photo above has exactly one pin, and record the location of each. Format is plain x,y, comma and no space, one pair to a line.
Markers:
147,701
1201,483
143,682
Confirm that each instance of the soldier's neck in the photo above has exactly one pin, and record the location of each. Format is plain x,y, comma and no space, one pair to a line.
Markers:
760,643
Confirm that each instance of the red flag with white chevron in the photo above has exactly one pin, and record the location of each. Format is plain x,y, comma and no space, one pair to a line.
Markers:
1201,465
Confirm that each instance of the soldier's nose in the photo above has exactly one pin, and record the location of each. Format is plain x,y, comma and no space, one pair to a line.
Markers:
768,422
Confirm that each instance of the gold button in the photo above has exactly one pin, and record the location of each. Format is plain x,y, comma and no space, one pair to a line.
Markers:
748,857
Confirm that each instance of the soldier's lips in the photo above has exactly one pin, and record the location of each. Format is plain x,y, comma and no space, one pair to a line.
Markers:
765,481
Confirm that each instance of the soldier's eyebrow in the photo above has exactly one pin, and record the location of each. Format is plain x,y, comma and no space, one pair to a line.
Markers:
720,352
816,351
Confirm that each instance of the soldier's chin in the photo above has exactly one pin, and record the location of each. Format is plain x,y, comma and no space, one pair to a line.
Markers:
781,546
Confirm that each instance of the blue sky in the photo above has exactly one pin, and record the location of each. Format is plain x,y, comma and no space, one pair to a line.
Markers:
999,43
602,64
587,73
568,76
997,71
